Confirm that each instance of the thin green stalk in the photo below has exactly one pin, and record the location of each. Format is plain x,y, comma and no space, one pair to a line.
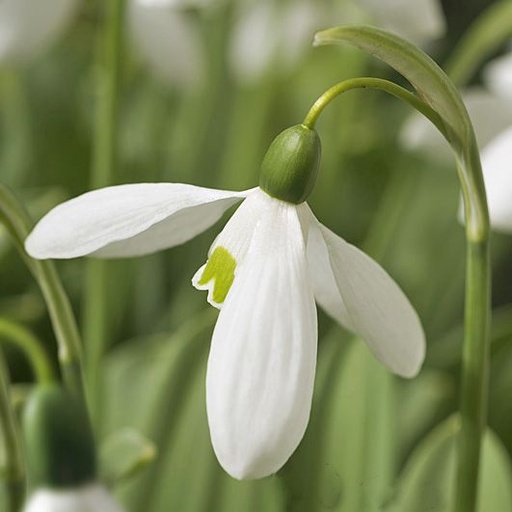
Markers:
371,83
13,471
96,329
24,340
475,354
17,222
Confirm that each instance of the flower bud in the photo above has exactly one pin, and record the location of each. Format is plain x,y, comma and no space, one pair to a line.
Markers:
290,166
58,439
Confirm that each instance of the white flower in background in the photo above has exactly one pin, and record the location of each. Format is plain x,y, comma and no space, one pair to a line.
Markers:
490,110
420,21
270,36
87,498
29,26
168,41
264,271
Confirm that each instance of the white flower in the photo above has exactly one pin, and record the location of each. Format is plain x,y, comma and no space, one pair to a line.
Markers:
29,26
167,40
87,498
264,272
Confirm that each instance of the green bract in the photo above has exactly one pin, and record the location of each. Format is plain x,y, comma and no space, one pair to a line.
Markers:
58,439
290,166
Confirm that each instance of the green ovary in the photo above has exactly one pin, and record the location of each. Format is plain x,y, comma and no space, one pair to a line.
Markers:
221,268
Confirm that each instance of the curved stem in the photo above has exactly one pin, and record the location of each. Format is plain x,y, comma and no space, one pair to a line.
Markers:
31,347
13,472
17,222
371,83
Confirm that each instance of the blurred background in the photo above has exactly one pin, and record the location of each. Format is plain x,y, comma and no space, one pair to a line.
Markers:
204,87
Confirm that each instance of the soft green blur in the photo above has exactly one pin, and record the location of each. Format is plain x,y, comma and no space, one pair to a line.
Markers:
374,442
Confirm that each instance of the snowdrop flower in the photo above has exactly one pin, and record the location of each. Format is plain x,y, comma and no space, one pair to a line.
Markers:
167,40
61,455
29,26
264,271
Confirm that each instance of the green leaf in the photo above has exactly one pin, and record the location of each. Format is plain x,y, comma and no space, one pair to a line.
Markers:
427,482
429,80
123,454
345,462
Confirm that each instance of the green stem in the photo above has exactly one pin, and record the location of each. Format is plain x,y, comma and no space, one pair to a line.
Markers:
475,354
17,222
96,331
13,471
31,346
371,83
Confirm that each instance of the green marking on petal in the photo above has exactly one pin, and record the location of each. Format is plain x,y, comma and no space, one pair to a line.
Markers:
221,268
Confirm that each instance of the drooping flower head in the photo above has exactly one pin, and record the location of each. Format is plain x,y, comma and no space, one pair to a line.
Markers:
264,271
61,455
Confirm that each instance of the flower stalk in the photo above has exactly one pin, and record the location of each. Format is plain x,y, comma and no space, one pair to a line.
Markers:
16,220
96,331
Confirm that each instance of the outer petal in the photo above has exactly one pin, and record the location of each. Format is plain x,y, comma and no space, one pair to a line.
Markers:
27,26
90,498
263,355
327,294
379,311
128,220
167,41
420,21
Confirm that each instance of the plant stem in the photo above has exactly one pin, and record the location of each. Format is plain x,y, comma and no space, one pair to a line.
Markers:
371,83
31,346
96,315
13,471
17,222
475,354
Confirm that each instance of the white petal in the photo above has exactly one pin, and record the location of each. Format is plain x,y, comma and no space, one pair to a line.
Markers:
262,360
28,26
419,21
89,498
497,169
498,76
379,311
128,220
327,294
168,42
234,239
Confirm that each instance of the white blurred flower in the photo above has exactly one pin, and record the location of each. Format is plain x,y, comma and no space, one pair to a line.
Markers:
265,270
271,36
490,110
27,27
167,40
420,21
87,498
